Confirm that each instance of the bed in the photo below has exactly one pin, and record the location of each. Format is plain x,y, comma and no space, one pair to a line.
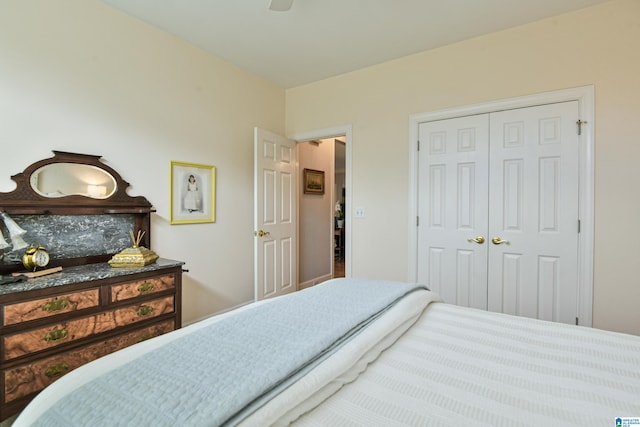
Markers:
353,352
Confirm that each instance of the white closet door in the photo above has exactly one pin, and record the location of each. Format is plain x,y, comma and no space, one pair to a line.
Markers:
511,176
533,201
453,179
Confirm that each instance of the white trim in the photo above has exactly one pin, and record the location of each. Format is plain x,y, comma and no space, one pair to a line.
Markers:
585,97
313,282
347,132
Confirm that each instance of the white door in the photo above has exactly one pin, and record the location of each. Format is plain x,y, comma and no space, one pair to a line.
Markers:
275,190
533,195
453,204
523,202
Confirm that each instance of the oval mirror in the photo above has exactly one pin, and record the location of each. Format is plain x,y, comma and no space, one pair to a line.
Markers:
70,179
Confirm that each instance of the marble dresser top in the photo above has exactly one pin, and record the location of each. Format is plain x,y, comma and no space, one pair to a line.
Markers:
83,273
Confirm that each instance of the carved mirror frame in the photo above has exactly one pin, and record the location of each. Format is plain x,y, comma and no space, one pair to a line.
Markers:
24,200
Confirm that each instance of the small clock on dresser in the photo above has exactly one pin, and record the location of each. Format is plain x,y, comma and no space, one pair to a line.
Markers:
36,256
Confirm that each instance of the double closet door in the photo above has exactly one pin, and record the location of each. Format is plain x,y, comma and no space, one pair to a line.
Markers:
498,211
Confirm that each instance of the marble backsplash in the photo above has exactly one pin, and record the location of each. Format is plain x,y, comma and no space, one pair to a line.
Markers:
72,236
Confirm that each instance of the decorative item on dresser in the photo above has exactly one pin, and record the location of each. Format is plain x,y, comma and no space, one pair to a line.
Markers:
77,207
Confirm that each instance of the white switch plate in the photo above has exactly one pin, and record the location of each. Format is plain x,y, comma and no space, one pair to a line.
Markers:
359,212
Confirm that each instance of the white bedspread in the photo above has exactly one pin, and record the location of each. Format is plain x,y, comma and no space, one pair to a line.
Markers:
465,367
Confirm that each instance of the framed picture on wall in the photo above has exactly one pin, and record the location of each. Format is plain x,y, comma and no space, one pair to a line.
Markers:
313,181
193,193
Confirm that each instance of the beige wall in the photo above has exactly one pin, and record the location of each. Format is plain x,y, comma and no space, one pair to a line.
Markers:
595,46
315,216
77,75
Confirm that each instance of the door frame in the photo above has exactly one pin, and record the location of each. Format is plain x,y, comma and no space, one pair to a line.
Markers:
347,132
585,97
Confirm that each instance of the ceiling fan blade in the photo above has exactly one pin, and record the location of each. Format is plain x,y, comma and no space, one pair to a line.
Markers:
280,5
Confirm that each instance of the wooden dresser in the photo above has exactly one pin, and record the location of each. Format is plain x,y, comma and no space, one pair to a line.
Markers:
78,208
54,324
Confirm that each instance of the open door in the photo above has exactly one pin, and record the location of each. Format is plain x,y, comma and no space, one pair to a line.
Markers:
275,221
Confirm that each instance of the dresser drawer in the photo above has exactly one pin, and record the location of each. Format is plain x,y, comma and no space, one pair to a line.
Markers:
147,310
45,307
33,377
125,291
21,344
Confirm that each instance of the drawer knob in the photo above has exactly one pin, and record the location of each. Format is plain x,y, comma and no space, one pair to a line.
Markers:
56,335
55,370
55,305
144,310
145,287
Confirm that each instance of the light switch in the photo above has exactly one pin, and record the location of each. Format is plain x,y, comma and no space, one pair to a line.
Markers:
359,212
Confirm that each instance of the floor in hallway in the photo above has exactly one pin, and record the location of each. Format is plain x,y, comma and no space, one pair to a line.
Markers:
338,267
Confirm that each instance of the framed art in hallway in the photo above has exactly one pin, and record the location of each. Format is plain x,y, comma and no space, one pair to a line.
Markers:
193,193
313,181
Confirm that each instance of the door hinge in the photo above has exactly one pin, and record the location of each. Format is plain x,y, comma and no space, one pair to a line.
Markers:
580,123
418,145
579,226
576,321
417,221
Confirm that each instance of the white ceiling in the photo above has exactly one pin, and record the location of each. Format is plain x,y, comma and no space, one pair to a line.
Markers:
317,39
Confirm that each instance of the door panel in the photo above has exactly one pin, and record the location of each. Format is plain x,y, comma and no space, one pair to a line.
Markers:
287,283
275,215
453,180
267,268
534,206
269,196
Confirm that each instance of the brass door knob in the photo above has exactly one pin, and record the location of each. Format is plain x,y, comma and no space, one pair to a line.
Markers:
499,241
479,240
261,233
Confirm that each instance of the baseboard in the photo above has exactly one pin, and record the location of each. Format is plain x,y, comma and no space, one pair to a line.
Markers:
217,313
315,281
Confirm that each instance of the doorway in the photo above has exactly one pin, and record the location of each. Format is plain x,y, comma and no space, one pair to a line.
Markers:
277,188
339,206
337,189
